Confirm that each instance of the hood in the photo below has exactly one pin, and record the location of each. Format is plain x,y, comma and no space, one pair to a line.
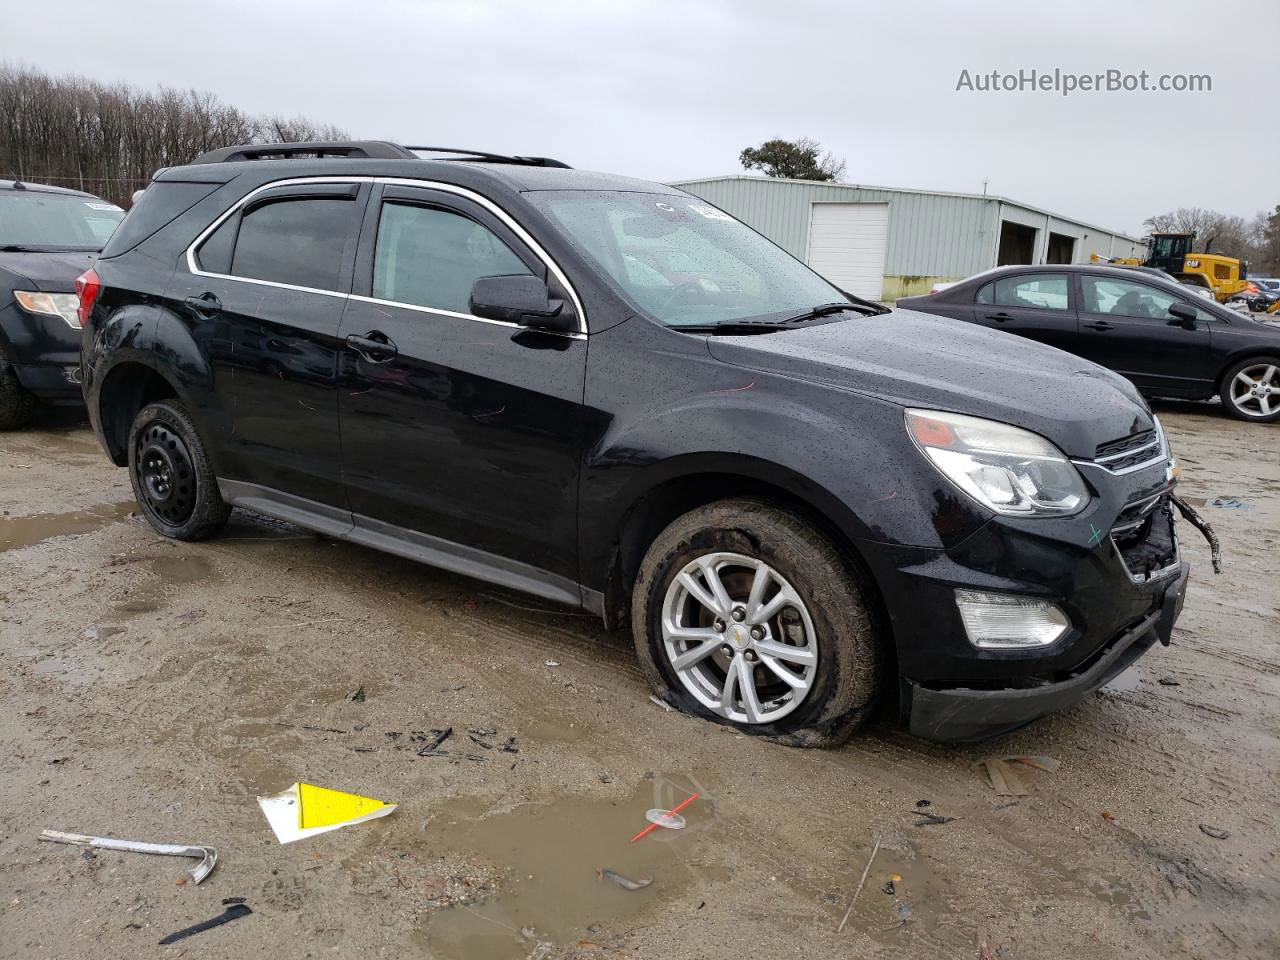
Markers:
47,272
919,360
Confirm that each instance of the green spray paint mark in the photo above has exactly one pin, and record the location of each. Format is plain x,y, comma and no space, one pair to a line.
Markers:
1096,537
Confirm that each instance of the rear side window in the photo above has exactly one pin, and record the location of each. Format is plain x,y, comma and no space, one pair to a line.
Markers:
160,204
1044,291
430,257
299,241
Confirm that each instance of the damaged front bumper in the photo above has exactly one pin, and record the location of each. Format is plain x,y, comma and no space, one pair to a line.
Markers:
1114,571
960,714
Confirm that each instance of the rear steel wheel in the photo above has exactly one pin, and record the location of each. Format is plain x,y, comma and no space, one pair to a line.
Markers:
172,478
166,473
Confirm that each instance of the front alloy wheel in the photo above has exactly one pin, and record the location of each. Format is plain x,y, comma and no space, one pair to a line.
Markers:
746,613
739,638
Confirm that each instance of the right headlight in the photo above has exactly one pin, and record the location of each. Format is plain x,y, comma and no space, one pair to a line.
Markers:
1005,468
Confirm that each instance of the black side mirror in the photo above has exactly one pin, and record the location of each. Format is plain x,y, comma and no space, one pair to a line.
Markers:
523,300
1184,313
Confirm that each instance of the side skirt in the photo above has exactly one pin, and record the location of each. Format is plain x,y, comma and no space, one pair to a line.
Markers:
422,547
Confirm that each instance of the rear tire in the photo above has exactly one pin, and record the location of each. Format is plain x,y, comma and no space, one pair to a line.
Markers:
1251,390
793,656
172,478
17,405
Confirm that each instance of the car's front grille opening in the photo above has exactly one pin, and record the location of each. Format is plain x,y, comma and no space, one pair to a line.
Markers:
1124,444
1143,535
1127,453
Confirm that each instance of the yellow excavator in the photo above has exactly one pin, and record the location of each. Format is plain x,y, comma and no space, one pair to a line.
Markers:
1223,276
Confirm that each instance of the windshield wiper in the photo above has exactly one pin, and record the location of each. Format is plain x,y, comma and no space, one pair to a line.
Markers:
16,248
732,328
865,307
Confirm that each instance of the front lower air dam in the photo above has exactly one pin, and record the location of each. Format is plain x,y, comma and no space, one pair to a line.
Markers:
1000,621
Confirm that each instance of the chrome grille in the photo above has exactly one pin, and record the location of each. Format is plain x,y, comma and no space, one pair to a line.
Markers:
1114,448
1133,452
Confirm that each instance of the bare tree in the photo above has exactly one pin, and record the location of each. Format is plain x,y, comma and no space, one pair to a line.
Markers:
110,138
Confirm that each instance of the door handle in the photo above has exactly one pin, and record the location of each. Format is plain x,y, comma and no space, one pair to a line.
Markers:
205,305
1099,325
375,346
998,317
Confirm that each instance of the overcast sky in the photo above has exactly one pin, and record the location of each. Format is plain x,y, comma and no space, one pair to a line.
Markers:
676,90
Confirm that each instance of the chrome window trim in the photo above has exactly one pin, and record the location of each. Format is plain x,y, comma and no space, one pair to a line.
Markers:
483,201
438,311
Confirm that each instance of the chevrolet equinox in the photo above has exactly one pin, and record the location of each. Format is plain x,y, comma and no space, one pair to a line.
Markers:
609,393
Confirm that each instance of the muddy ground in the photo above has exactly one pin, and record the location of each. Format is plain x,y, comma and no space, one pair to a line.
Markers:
151,690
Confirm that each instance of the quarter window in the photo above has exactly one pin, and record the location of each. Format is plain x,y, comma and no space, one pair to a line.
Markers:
1124,298
431,257
1044,291
299,241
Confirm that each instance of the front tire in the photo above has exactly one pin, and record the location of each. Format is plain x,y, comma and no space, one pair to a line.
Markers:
747,614
172,478
17,405
1251,390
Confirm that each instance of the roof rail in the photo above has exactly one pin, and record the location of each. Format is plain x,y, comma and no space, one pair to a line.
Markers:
351,149
359,150
494,157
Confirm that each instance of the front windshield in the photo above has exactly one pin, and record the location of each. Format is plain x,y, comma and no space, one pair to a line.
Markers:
684,262
33,218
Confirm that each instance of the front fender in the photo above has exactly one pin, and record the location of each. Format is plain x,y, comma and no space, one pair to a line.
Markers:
665,411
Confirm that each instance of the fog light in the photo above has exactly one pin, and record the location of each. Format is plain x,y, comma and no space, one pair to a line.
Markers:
1000,621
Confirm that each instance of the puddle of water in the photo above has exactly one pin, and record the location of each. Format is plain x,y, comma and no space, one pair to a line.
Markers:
552,852
181,569
1125,682
258,772
553,730
18,532
253,731
168,571
66,671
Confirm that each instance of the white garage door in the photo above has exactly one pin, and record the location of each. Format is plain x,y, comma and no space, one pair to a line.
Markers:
846,245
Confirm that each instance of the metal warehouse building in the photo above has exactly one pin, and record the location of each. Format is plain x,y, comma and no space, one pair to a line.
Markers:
883,243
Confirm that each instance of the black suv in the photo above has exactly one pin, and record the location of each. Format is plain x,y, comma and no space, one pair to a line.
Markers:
48,235
609,393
